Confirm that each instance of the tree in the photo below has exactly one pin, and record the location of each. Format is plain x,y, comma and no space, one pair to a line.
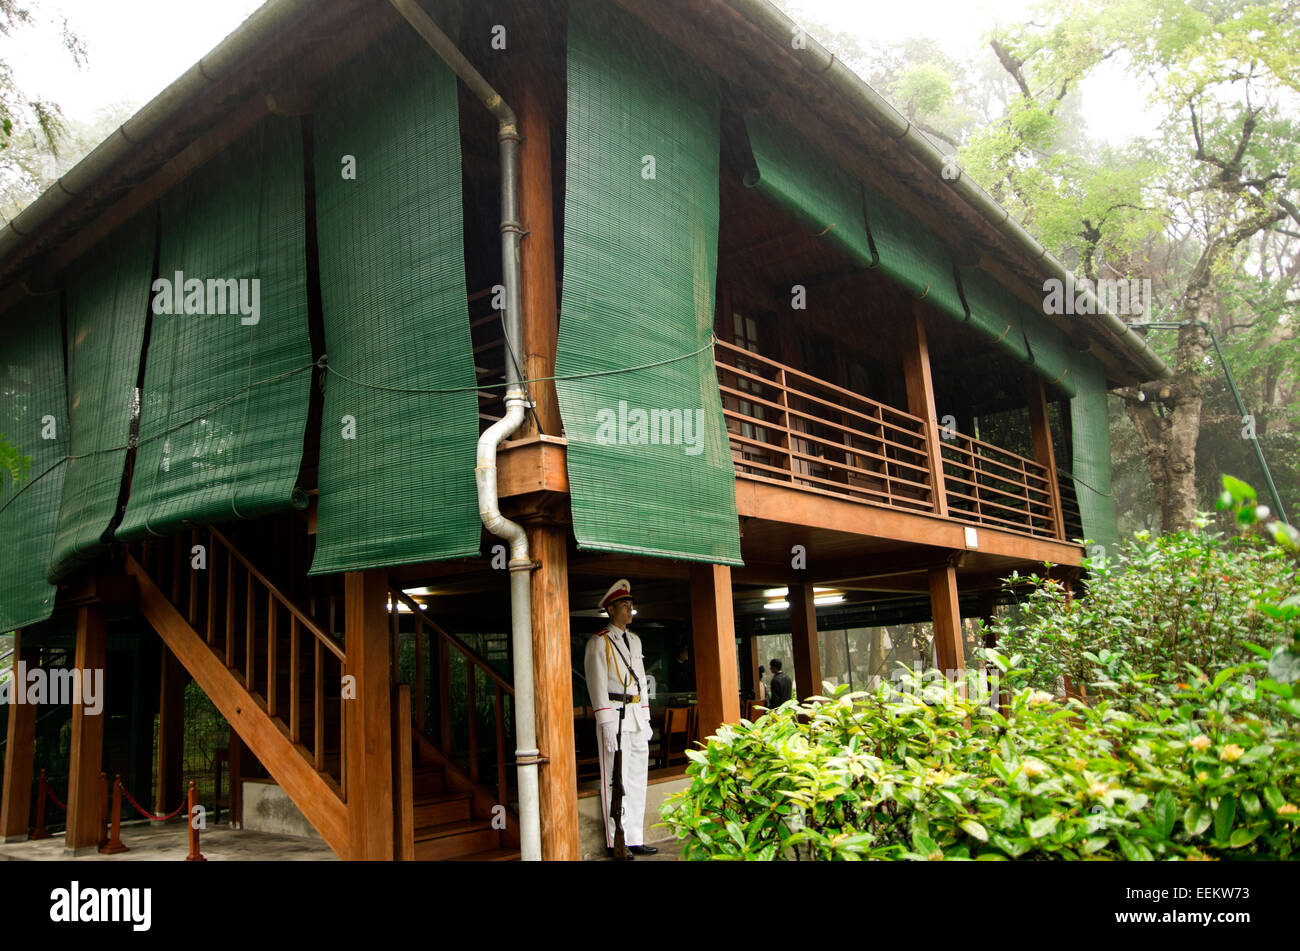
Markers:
1197,204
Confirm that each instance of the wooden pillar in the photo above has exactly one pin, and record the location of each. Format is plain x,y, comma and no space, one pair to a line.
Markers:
920,398
803,631
713,626
949,654
1040,429
171,734
20,748
368,715
553,692
86,757
529,84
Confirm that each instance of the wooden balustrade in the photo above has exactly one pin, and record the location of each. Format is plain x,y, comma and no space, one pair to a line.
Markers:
428,635
991,486
789,427
255,628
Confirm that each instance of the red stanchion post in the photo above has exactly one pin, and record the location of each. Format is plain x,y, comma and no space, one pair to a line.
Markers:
42,793
195,855
114,844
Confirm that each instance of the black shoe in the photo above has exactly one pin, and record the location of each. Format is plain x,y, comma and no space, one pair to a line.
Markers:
642,849
609,852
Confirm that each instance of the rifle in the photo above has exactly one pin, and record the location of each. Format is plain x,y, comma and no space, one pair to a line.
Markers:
616,794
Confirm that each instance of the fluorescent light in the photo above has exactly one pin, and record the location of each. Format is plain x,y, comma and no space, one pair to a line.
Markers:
424,590
776,592
828,599
776,605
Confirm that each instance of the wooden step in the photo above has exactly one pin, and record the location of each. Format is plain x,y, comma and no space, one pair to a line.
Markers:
441,808
449,840
428,780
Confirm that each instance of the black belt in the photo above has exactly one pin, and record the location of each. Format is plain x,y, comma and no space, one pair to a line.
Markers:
625,697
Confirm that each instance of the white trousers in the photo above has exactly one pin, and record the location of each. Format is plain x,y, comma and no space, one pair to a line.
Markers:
636,764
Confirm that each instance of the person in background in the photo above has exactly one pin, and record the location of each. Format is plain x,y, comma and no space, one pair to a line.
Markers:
760,688
781,686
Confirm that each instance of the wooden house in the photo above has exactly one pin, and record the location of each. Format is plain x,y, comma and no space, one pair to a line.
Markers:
656,291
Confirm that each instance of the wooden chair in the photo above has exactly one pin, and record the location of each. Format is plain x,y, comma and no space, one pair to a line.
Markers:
676,724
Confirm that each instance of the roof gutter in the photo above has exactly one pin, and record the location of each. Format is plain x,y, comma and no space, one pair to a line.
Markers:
820,61
264,23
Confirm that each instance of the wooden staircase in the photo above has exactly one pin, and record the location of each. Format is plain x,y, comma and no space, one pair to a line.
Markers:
274,670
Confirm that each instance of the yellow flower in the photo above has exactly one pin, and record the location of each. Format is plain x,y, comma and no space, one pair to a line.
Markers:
1288,809
1199,857
1202,776
1034,768
1231,753
1098,789
1040,696
1200,743
935,856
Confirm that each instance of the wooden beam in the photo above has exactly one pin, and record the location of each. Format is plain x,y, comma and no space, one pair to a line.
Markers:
553,691
804,644
713,627
949,654
20,748
920,398
86,756
171,735
368,717
1040,429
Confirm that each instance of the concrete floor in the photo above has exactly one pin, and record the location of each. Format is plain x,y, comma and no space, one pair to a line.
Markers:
152,842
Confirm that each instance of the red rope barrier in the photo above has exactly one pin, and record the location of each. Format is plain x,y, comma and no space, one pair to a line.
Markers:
149,815
56,799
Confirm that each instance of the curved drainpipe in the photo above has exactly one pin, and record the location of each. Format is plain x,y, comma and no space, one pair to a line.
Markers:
816,59
485,470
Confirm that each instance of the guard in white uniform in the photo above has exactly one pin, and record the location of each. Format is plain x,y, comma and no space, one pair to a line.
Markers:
616,682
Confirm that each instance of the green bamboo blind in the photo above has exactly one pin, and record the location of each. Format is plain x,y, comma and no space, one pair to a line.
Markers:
225,396
107,305
392,272
1091,453
640,257
995,313
33,420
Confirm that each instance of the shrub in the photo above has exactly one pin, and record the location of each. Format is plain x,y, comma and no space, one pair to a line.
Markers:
916,774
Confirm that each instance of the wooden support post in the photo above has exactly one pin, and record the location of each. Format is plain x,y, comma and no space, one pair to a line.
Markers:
171,735
717,681
553,692
114,844
192,800
920,399
803,631
1041,430
368,718
20,748
949,654
403,778
528,93
86,756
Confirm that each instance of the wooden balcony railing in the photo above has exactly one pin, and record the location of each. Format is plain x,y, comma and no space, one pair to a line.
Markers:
990,486
791,428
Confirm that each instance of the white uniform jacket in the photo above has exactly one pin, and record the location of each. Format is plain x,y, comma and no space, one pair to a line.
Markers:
606,663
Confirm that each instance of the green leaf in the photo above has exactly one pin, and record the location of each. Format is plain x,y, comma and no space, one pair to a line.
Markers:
1273,796
1255,753
1040,827
1242,837
1250,802
975,830
1094,844
1224,817
1131,851
1196,819
1164,814
1284,666
1240,491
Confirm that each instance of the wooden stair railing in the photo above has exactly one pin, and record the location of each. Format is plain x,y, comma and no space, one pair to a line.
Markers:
445,643
255,653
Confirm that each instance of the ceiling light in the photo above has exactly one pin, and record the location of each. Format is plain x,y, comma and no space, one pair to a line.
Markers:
828,599
777,605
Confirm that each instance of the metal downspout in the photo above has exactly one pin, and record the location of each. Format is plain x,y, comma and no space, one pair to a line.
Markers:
818,60
485,469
